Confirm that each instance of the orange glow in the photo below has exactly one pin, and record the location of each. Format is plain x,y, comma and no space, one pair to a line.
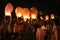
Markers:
33,12
18,11
26,13
47,17
52,16
8,9
33,16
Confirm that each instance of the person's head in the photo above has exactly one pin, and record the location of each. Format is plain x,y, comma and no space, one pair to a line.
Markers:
20,19
7,18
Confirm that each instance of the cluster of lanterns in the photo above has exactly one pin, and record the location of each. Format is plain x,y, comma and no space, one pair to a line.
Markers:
25,12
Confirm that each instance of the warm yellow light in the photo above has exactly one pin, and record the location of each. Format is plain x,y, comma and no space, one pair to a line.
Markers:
19,15
7,14
26,17
33,16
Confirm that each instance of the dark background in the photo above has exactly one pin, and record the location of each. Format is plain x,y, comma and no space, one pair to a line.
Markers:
47,6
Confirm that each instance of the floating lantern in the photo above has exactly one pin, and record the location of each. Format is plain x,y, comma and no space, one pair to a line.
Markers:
26,13
18,11
8,9
33,12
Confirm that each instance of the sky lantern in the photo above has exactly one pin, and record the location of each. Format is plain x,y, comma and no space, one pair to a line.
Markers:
34,12
8,9
52,16
26,13
18,11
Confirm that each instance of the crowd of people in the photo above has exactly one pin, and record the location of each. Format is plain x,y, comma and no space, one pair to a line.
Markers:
27,30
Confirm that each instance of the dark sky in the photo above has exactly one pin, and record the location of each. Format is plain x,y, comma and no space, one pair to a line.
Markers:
43,5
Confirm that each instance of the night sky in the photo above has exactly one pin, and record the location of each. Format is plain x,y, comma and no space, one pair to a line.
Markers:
47,6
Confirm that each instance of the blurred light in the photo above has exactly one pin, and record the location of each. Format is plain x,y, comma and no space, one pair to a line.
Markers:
19,15
41,17
33,16
7,14
52,16
47,17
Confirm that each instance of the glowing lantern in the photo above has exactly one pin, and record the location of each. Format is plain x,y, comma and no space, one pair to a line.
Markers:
8,9
52,16
34,12
18,11
26,13
47,17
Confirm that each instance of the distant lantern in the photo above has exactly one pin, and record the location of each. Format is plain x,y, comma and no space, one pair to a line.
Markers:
8,9
41,17
52,16
18,11
46,17
26,13
34,12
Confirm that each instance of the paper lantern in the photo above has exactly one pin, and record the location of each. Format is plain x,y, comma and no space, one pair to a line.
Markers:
26,13
34,12
18,11
8,9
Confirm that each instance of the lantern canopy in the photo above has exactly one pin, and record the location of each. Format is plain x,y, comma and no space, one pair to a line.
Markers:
26,13
8,9
18,11
34,12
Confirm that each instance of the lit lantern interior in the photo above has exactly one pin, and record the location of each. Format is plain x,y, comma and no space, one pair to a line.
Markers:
33,16
8,9
18,11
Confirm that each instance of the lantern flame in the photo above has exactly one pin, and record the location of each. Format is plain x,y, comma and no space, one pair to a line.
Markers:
33,16
19,15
